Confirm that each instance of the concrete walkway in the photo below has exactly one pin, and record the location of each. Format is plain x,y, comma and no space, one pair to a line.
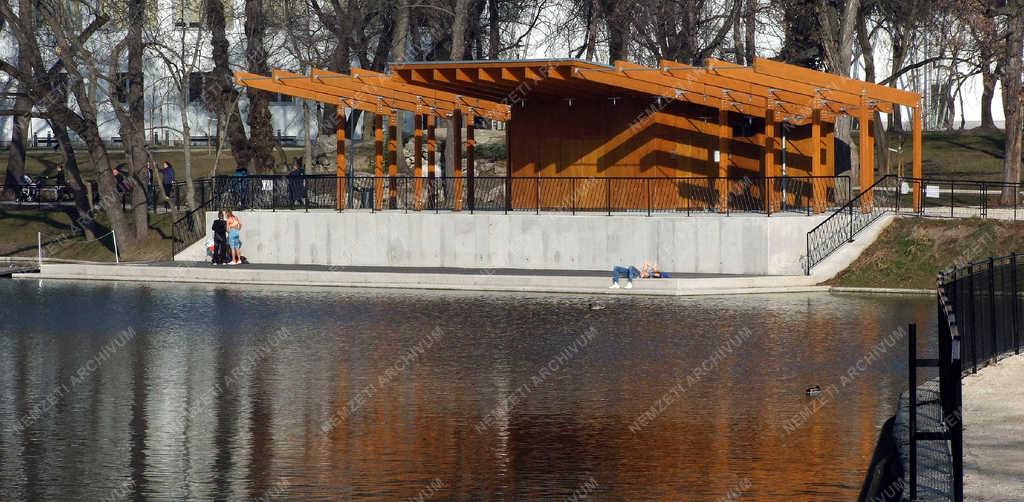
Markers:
994,432
509,280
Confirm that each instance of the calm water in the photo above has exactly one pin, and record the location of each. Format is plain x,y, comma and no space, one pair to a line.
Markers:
197,392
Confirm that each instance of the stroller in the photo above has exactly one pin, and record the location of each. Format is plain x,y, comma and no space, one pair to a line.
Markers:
29,189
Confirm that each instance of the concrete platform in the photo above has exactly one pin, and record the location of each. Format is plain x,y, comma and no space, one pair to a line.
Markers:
507,280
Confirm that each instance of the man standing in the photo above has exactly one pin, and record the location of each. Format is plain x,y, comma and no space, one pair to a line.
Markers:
168,180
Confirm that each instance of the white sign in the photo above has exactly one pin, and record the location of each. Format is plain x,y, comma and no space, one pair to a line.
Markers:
268,185
717,155
904,188
931,191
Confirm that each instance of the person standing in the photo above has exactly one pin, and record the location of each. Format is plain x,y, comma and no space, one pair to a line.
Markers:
234,238
220,239
167,175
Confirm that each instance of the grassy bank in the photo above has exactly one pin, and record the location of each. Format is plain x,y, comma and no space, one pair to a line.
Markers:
20,231
967,155
911,251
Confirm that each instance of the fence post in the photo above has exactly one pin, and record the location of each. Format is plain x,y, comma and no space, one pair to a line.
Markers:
572,194
912,410
537,183
648,183
1015,303
608,194
851,224
952,194
994,349
974,319
39,238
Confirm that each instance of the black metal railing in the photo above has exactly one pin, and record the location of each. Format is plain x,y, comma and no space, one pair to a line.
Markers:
850,219
688,195
191,227
962,198
980,320
986,299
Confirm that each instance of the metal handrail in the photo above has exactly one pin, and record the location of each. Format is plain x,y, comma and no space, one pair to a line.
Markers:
831,234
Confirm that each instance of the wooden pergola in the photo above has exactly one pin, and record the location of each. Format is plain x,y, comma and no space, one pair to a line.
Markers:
559,120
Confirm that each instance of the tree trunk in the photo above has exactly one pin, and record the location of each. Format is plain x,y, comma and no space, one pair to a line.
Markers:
738,38
221,96
494,29
988,92
22,118
133,133
868,53
593,17
84,218
261,126
1012,99
398,43
750,27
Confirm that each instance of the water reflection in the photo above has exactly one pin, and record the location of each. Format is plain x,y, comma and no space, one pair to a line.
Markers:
228,393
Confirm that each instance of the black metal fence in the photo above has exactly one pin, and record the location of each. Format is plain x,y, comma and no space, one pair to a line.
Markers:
690,195
852,218
980,320
986,300
963,198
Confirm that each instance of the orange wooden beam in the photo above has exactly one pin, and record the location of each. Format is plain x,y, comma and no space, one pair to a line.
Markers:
417,162
378,160
724,133
485,108
853,86
916,167
867,164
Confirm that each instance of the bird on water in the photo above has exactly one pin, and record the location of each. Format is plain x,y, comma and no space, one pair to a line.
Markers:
814,391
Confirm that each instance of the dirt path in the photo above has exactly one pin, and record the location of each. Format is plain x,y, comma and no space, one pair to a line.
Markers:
994,432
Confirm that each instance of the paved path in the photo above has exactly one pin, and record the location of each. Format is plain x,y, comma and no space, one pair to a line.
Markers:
994,432
509,280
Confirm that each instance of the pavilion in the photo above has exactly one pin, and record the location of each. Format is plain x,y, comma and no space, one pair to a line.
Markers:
565,118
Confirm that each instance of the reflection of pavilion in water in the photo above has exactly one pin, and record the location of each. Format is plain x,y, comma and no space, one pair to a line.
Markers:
266,424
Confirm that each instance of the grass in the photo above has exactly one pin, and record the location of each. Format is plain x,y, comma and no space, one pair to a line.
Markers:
911,251
21,232
975,154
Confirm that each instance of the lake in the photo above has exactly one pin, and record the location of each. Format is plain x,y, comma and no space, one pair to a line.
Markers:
121,391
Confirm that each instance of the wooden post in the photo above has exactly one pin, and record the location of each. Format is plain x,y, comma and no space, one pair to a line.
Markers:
392,160
431,161
378,161
724,132
471,160
340,171
867,163
917,171
828,161
417,163
773,200
456,160
817,188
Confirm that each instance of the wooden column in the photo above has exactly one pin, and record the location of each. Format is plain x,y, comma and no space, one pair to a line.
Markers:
378,161
340,171
916,169
867,161
392,160
724,131
817,189
773,200
431,162
417,163
471,160
456,160
828,164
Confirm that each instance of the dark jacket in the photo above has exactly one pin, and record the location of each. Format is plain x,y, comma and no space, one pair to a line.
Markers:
168,175
220,229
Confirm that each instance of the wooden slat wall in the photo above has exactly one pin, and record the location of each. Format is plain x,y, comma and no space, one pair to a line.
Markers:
605,138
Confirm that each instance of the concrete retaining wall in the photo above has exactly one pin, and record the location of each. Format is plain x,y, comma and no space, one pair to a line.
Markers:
735,244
